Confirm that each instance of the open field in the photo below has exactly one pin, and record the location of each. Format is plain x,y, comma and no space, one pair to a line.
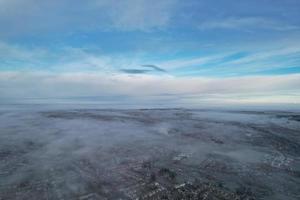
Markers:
149,154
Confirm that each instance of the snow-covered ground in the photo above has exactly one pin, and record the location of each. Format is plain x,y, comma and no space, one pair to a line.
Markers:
151,153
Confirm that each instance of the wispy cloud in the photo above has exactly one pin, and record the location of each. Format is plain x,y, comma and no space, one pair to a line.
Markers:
243,60
240,61
63,59
248,23
12,51
137,14
67,15
194,61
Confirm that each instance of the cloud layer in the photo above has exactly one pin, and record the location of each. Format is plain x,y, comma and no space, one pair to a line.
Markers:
144,88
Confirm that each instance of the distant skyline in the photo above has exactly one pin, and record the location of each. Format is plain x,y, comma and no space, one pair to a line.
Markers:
158,52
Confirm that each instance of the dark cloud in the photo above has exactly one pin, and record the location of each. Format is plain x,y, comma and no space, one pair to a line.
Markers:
134,71
151,68
154,67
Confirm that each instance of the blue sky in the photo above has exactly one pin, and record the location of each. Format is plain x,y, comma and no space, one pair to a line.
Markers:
139,51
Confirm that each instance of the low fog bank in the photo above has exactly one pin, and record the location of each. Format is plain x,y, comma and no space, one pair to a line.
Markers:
53,152
54,104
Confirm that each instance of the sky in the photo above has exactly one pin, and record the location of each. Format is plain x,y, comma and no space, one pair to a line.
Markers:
158,52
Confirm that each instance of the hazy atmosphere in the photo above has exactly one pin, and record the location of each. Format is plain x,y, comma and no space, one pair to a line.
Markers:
150,99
